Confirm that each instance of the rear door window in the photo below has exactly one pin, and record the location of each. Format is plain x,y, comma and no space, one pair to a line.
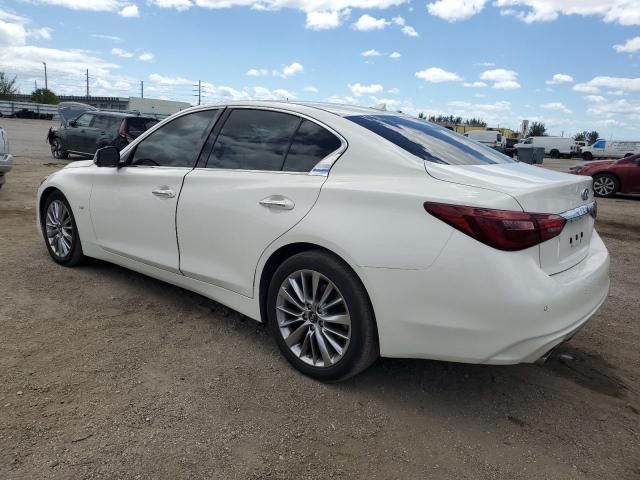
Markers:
106,122
138,125
428,141
253,140
84,120
311,143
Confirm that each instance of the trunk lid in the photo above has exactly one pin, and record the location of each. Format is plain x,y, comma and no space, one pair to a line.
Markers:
71,110
537,190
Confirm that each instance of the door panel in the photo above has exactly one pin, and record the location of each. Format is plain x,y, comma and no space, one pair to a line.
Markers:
133,212
223,228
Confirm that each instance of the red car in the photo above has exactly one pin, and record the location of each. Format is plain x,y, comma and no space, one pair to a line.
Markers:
612,176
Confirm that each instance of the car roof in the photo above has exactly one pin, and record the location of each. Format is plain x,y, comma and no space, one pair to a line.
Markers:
110,113
342,110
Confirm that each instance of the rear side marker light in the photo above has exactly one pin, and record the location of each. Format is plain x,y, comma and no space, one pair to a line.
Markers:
501,229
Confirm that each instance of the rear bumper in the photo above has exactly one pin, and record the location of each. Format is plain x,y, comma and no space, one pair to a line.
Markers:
490,307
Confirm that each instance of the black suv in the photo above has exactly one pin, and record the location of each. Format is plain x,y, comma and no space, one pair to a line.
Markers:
94,129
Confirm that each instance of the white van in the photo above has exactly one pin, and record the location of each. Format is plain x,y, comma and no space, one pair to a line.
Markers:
553,146
610,149
490,138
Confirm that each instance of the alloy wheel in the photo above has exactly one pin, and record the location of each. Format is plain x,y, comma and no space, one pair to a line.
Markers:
313,318
59,228
56,149
604,186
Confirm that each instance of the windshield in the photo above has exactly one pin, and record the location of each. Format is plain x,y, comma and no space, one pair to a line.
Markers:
428,141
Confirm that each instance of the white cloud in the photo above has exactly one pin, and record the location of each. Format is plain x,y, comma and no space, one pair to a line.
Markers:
616,93
454,10
395,55
595,98
502,79
371,53
107,37
437,75
311,89
146,56
122,53
393,91
165,80
555,106
500,106
14,30
289,70
325,20
616,83
630,46
179,5
342,99
358,89
485,64
410,31
560,78
475,84
622,107
130,11
367,23
257,72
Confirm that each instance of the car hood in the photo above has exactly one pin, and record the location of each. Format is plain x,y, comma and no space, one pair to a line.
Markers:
70,110
80,164
600,163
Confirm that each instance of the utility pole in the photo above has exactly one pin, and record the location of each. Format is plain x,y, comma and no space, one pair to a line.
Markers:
199,95
46,85
141,88
87,83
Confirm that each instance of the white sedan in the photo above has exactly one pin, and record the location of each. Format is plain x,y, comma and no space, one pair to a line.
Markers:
354,233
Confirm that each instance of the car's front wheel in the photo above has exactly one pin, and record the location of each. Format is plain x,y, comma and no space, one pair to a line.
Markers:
321,317
60,231
57,149
605,185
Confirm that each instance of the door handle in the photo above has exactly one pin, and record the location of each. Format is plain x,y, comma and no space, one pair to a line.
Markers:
278,201
163,193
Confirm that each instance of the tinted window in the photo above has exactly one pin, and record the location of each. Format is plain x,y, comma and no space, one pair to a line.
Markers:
138,125
176,144
311,143
428,141
106,122
84,120
253,140
599,144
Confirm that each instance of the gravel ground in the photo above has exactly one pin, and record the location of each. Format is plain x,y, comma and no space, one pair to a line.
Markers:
105,373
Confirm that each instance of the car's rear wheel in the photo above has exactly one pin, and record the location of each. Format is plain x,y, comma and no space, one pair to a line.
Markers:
605,185
60,231
321,317
57,149
555,153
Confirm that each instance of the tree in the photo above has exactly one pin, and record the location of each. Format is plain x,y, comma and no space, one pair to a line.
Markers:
422,116
44,95
581,137
7,87
537,129
475,122
592,137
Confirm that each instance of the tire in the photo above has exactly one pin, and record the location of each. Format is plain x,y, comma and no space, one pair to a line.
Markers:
57,149
605,185
327,350
587,156
628,155
57,219
554,153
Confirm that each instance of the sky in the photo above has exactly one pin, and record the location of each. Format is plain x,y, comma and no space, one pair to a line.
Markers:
573,64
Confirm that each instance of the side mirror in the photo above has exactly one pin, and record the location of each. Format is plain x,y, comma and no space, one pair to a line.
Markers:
107,157
73,123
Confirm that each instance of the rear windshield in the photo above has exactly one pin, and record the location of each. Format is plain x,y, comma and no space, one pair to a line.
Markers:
137,125
428,141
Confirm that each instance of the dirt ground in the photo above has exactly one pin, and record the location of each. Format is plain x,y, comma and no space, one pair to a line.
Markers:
105,373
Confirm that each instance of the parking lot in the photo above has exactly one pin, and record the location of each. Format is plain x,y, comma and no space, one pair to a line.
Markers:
105,373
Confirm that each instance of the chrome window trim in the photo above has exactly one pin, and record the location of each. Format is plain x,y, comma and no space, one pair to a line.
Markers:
578,212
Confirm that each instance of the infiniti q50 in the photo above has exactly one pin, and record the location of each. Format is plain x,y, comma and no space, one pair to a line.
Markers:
354,233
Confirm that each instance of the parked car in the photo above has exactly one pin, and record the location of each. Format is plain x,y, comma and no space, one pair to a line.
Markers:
352,232
30,114
5,156
555,147
610,149
84,131
490,138
612,176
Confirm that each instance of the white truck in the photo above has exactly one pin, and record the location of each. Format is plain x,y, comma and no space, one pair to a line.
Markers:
554,147
490,138
610,149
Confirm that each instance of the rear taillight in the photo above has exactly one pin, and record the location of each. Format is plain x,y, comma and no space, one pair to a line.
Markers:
122,130
501,229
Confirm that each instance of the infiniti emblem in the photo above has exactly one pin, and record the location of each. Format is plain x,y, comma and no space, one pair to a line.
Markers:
585,194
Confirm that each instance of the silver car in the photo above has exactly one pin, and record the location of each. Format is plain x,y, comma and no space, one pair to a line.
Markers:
5,157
